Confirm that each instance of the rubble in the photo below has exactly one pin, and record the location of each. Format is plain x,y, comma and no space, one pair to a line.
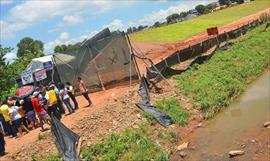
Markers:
182,146
234,153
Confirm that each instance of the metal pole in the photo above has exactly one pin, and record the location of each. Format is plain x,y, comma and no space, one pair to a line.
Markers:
55,68
101,82
133,58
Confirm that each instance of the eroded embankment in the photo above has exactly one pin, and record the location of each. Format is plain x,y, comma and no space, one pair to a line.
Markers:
225,76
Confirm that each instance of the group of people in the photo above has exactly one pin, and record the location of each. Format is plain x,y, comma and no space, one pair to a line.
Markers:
35,110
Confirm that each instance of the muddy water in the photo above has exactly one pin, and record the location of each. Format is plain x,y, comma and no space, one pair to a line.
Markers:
250,111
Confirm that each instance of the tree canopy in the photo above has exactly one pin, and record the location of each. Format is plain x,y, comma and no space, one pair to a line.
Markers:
28,49
29,45
202,9
60,48
172,18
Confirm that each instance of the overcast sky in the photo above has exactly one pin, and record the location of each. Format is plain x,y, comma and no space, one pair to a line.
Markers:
70,21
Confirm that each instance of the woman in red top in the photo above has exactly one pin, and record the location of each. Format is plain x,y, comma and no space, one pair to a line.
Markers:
42,114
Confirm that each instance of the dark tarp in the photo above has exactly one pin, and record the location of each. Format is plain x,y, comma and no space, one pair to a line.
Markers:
146,106
65,140
2,144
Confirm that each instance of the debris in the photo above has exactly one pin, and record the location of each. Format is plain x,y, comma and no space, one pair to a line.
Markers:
88,144
183,154
139,116
182,146
266,124
199,125
253,141
234,153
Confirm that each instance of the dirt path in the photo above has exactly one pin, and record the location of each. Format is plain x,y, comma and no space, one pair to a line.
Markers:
98,98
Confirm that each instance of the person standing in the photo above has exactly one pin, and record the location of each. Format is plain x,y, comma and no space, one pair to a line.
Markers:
51,98
64,96
9,129
41,113
60,103
30,114
71,95
17,119
84,91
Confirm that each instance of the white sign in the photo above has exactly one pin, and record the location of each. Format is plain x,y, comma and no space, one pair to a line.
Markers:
27,77
40,75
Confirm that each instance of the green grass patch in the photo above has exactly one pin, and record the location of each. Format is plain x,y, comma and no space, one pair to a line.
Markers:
130,146
171,107
150,119
42,135
185,29
50,157
218,81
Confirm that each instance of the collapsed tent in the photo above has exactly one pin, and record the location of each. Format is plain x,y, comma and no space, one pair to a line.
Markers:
101,61
65,140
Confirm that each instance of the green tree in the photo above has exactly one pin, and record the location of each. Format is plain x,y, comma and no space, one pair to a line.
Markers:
172,18
29,45
58,49
157,24
129,30
201,9
4,81
183,14
224,2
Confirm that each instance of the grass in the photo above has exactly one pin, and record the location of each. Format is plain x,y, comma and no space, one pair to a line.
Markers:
50,157
185,29
130,146
42,135
171,107
218,81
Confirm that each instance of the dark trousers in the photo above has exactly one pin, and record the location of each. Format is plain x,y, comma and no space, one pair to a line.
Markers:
53,110
9,129
74,101
68,105
60,106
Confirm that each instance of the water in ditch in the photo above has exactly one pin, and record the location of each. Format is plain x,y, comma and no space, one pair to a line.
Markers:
250,111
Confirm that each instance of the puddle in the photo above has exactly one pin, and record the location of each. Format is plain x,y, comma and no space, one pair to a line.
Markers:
250,111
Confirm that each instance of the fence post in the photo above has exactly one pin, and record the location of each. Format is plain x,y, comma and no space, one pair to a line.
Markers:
178,57
165,62
99,78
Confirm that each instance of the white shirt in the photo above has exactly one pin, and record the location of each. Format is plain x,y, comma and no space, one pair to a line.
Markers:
64,93
14,112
